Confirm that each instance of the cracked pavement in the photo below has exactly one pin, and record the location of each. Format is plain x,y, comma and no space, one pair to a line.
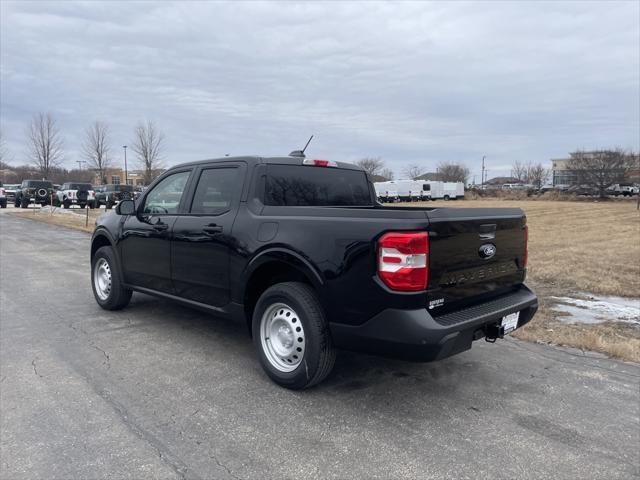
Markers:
161,391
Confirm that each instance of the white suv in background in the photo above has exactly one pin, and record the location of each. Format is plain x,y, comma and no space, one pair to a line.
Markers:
76,193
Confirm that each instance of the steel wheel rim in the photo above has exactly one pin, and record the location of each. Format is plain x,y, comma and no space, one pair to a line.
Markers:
282,337
102,278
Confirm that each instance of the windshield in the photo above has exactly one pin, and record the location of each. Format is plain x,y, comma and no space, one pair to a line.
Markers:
80,186
38,184
301,185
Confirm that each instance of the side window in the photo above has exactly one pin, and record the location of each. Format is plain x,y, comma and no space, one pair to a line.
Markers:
215,191
165,197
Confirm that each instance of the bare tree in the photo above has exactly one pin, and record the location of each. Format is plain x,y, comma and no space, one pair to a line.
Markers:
520,171
45,144
600,168
387,174
147,145
453,172
537,174
371,165
96,148
413,171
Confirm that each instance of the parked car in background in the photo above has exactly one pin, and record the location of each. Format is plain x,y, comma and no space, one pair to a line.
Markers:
33,191
138,190
3,197
75,193
109,195
624,189
10,191
583,190
300,250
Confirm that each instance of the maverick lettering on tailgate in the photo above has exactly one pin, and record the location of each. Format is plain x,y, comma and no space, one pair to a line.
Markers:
477,274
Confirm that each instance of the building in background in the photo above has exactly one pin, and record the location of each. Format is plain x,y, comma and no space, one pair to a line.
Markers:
563,176
116,177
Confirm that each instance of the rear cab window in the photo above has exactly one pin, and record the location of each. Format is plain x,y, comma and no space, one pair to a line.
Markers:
304,185
215,190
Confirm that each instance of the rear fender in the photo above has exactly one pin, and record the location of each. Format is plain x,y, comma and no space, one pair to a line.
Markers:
279,254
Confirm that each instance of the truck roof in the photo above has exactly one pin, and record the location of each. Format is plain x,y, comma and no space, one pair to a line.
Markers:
254,160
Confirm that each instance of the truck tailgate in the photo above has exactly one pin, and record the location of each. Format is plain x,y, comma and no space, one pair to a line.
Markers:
473,253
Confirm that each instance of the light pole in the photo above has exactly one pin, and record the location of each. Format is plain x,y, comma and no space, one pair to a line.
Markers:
126,182
483,172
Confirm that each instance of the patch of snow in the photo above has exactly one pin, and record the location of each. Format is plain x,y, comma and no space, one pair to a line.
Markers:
598,309
56,210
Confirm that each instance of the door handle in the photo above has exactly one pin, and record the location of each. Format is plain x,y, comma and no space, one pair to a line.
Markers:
160,227
212,228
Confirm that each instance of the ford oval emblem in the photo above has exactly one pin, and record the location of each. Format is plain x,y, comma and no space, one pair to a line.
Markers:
487,250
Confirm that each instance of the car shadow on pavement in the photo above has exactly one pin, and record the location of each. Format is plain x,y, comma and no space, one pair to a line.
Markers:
353,372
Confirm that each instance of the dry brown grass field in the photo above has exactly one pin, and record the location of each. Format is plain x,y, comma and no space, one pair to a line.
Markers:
73,218
574,247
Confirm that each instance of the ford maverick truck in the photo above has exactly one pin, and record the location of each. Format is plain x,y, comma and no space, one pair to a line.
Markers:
301,251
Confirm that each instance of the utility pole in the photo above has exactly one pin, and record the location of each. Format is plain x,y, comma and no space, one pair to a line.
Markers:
80,163
126,182
483,172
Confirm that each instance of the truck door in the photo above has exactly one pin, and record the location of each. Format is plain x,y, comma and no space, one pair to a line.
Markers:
146,237
202,237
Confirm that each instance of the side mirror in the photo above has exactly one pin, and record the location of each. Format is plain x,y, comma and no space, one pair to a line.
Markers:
126,207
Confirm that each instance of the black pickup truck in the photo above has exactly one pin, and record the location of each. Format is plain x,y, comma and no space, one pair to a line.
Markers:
301,251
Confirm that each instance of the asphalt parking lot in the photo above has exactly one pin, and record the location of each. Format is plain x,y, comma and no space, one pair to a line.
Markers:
162,391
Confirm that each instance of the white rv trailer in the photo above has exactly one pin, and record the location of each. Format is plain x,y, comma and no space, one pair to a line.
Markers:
404,190
453,190
386,192
408,190
432,190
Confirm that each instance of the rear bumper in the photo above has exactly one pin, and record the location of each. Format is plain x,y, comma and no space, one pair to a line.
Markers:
416,335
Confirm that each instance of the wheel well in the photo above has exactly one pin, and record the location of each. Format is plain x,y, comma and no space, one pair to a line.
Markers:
99,242
265,276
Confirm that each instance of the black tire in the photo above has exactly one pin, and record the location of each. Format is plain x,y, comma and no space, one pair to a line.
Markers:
24,203
66,203
446,198
108,205
91,205
16,202
82,205
3,205
118,296
318,356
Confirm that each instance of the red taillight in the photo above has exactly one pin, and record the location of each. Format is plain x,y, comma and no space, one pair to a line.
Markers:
525,259
403,261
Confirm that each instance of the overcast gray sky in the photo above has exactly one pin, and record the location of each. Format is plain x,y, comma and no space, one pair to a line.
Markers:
410,82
